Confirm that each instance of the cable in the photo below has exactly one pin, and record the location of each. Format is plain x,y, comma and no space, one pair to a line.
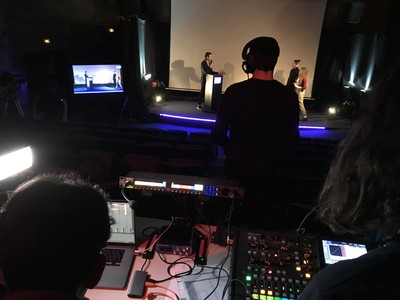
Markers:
157,239
144,264
219,273
171,265
153,285
302,222
229,283
153,295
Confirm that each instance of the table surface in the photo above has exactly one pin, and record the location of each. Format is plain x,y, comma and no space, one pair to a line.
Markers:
202,281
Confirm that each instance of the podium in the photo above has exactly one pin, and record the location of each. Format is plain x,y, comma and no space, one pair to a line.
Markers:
212,93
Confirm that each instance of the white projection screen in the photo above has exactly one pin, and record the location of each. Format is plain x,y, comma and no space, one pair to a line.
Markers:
223,27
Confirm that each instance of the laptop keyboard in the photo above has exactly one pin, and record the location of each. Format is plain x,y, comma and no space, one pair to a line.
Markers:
113,256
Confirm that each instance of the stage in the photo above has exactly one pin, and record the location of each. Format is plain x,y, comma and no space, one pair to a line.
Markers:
181,113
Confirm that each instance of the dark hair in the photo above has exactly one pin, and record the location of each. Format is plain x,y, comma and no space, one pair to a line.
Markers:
207,54
361,193
297,61
263,53
52,229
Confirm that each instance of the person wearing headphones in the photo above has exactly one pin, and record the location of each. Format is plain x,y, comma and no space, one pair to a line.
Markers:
257,123
52,231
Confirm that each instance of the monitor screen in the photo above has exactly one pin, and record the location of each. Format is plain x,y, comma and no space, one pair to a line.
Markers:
97,79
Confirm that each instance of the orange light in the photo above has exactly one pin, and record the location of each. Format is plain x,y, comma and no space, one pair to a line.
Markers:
46,41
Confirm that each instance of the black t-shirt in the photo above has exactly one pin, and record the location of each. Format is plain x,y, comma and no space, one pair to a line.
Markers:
262,118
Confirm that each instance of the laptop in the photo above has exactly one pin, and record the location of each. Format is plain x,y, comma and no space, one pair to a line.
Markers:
120,247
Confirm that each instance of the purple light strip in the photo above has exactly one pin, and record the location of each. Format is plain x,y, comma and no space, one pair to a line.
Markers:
312,127
187,118
213,121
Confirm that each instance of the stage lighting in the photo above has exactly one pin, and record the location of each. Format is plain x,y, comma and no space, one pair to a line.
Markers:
46,41
158,98
332,110
147,76
15,162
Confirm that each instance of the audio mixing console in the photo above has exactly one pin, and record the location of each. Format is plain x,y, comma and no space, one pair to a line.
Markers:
272,265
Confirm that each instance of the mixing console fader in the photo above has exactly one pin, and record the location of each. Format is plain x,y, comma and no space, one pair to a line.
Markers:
272,265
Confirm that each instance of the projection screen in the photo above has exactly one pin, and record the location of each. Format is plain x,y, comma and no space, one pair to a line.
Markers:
223,27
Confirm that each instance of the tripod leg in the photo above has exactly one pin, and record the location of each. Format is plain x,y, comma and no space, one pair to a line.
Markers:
5,107
19,107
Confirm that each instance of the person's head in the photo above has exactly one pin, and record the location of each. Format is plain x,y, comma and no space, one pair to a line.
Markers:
260,53
295,63
52,231
208,56
361,194
303,72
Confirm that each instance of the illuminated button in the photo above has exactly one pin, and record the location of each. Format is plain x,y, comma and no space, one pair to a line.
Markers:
270,293
248,278
262,292
270,298
263,297
308,275
255,296
298,269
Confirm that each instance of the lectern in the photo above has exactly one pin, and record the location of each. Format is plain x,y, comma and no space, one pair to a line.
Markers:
212,94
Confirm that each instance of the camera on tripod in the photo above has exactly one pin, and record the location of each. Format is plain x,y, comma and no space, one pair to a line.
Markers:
10,83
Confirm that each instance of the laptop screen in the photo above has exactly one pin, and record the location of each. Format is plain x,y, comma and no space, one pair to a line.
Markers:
335,251
123,230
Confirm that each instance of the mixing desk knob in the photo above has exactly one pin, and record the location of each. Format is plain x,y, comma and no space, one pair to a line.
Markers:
253,245
252,260
266,262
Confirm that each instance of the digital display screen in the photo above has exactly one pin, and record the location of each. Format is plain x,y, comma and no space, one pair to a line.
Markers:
97,79
194,187
123,230
162,184
217,79
335,251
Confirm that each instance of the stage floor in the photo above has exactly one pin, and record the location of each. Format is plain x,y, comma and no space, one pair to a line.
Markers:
178,114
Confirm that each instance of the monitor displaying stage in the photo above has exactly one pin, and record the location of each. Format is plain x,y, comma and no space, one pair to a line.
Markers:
97,79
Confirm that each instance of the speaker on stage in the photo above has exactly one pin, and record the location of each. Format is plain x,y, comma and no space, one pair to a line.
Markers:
212,95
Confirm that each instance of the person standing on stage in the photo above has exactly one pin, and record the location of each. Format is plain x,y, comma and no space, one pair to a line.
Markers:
294,74
115,79
256,124
301,85
206,68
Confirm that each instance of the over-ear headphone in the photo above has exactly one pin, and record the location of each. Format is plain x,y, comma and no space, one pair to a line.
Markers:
262,46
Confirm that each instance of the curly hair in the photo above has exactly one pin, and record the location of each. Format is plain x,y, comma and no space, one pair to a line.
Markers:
361,193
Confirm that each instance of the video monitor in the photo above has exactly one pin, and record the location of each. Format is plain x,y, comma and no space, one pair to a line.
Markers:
97,79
